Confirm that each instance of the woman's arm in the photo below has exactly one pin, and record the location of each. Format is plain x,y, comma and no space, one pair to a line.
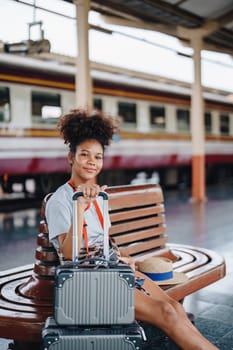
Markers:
90,192
65,240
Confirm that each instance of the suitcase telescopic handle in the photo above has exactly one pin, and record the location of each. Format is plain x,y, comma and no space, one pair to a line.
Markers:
77,239
80,194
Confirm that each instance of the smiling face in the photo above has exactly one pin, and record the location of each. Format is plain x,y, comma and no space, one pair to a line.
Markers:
87,162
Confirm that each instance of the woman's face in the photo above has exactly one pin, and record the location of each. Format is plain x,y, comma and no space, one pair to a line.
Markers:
88,161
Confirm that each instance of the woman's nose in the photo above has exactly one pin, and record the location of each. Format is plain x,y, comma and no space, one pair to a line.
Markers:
91,160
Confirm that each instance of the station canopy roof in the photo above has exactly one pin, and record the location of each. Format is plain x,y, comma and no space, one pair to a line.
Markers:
184,19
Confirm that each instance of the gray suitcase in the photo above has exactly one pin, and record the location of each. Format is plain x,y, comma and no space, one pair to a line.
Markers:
93,294
54,337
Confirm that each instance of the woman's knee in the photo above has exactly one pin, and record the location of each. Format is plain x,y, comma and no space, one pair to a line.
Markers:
161,313
170,312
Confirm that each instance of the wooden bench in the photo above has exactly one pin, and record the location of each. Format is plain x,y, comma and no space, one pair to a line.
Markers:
139,228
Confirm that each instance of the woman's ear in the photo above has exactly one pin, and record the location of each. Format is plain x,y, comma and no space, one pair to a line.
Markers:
70,158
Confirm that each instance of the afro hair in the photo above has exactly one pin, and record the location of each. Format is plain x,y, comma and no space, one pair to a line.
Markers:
80,125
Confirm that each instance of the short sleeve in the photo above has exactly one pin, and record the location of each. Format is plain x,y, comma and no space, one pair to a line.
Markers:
58,216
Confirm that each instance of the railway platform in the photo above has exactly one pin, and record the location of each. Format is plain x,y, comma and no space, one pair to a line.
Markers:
207,225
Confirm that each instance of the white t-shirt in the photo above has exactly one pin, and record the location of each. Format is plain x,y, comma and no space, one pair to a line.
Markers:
59,216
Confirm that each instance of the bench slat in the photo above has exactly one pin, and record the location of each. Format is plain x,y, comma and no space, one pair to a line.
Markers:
130,199
137,225
122,215
144,246
138,236
196,282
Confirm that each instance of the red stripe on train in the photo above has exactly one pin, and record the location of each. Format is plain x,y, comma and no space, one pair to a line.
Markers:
53,165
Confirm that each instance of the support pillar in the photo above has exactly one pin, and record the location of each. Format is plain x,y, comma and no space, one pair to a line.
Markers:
83,83
197,127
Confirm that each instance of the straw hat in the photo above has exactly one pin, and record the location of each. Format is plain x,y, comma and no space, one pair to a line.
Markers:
161,271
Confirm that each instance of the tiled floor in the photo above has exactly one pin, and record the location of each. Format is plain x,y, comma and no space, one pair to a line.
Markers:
208,225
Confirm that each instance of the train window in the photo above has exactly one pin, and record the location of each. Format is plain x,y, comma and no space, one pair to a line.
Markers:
97,104
157,117
183,119
4,104
208,122
224,124
127,111
49,112
41,107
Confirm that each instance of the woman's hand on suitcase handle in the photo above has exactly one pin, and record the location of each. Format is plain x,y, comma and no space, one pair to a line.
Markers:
91,191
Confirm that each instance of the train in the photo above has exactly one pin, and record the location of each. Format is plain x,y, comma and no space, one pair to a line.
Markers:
153,113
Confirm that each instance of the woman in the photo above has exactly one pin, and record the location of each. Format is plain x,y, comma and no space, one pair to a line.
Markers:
87,136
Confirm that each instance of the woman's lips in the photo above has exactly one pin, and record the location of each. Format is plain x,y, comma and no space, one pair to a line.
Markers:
90,170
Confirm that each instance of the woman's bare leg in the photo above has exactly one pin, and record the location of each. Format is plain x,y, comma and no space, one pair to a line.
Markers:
167,314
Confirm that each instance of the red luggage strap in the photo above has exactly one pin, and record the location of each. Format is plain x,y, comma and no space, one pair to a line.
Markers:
99,214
